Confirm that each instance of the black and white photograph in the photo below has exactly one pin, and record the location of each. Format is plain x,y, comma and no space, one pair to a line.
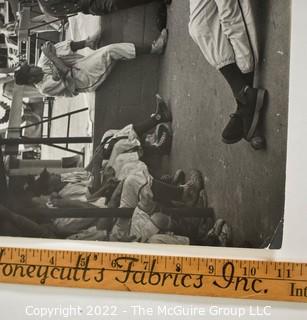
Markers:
145,121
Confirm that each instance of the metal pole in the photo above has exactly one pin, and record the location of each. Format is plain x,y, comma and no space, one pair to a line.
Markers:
68,114
50,22
66,149
55,140
112,212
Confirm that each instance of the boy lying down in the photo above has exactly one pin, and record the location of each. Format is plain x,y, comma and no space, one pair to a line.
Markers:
125,182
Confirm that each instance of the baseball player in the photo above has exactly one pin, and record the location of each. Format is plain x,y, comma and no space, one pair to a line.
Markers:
61,71
225,32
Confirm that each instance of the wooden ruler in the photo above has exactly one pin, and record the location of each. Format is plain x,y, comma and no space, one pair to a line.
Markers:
261,280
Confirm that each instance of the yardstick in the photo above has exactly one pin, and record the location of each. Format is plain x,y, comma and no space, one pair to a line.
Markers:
261,280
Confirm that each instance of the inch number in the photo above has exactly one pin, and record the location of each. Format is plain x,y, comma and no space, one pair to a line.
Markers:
252,271
23,258
287,273
211,269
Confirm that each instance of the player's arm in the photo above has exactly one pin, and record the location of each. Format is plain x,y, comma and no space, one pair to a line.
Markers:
49,51
65,72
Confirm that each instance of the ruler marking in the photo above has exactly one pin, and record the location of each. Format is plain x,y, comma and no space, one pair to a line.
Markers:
146,271
215,267
179,266
162,257
149,260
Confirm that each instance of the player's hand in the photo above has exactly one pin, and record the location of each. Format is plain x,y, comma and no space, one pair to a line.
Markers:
48,49
70,84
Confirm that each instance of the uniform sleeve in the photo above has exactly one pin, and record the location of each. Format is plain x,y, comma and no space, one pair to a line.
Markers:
51,88
129,196
42,61
63,48
48,86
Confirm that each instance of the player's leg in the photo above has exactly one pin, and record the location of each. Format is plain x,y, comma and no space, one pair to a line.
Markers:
128,51
206,31
187,194
219,29
239,27
161,115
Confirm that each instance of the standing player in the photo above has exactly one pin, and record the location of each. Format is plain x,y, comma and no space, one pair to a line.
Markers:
225,32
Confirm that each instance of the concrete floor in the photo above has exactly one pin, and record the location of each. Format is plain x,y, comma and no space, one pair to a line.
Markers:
244,186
